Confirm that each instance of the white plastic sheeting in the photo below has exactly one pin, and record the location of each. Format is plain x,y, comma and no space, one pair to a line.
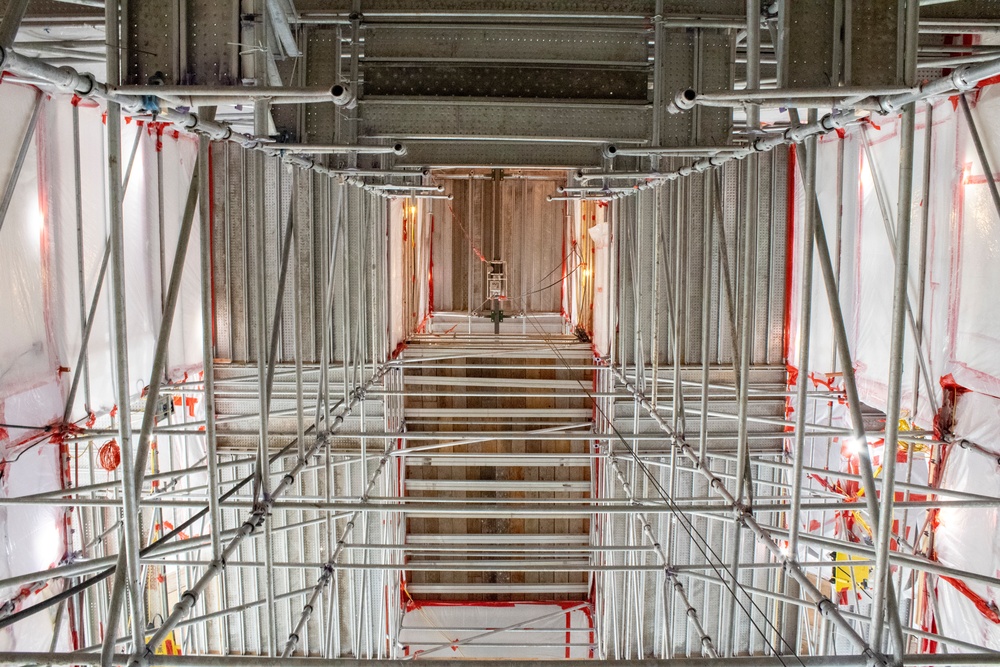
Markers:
397,247
42,262
969,539
411,225
30,393
537,630
28,365
31,539
51,248
600,234
961,310
960,318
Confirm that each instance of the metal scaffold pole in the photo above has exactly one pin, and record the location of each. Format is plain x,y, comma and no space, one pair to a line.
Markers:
745,516
256,518
671,460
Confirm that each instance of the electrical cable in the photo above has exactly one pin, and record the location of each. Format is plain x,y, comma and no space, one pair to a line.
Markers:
518,298
550,285
572,251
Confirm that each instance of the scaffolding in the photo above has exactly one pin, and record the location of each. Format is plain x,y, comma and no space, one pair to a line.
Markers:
348,457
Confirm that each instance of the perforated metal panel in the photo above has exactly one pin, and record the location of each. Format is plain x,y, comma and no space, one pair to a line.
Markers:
212,42
525,62
498,119
499,154
181,42
808,31
708,69
628,8
322,54
875,28
519,43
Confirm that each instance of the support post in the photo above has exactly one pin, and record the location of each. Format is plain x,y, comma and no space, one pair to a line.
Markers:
925,214
261,123
805,321
127,574
746,301
207,341
707,259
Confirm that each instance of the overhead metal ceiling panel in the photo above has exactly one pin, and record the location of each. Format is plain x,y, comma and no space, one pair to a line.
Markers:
181,42
512,154
876,28
701,60
500,44
809,33
624,8
489,119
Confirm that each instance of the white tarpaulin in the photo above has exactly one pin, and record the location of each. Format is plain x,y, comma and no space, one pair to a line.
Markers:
959,318
969,539
52,245
961,308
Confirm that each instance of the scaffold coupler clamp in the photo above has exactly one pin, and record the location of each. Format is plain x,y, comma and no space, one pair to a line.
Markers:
874,659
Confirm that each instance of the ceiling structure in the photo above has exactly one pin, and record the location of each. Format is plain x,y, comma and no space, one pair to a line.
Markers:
382,437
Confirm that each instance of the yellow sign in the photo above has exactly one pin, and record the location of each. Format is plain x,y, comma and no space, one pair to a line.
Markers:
168,647
847,578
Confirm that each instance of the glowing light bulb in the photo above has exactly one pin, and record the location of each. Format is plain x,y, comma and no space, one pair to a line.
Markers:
854,445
